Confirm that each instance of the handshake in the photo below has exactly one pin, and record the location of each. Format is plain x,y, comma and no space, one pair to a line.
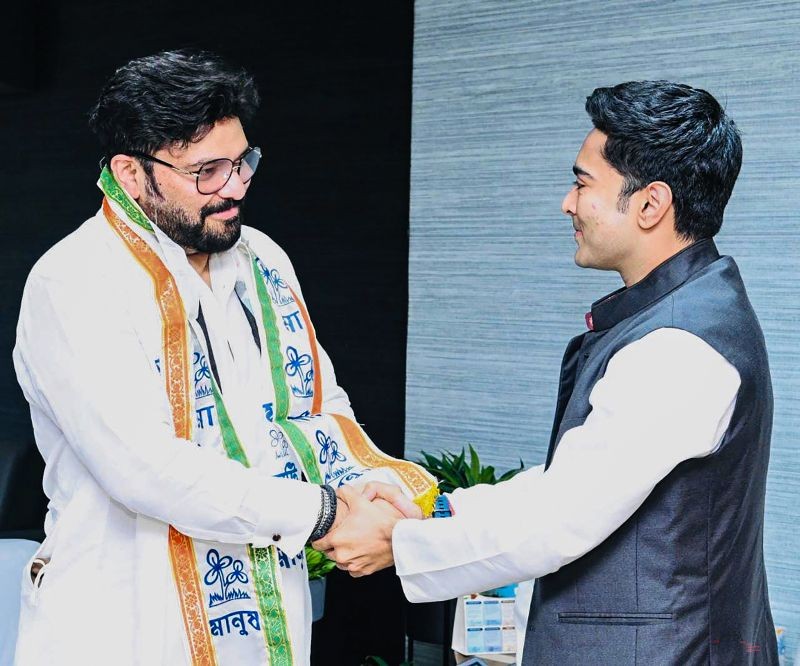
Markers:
360,540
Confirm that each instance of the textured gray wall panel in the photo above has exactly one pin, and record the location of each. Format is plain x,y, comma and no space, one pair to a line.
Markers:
494,294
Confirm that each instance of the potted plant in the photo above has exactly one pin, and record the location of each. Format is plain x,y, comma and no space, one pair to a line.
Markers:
318,567
453,471
433,622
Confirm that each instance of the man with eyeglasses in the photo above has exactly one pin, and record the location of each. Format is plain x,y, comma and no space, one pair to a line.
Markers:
192,428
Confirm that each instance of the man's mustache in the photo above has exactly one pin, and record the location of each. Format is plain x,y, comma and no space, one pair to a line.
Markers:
220,207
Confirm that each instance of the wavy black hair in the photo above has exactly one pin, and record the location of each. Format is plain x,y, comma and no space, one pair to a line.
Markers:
172,98
658,130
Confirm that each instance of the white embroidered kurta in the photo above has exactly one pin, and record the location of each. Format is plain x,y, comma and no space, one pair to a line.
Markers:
89,343
664,399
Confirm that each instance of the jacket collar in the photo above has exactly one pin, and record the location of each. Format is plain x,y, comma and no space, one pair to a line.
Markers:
668,276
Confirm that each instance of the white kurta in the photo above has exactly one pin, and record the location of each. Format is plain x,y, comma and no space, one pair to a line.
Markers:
665,398
88,348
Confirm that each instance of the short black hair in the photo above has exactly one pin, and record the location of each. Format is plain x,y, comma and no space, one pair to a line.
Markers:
169,99
658,130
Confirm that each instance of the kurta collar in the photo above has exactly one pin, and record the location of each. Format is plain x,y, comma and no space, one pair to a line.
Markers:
625,302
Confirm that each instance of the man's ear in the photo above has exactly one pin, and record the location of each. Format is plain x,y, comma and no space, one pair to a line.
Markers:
654,205
127,171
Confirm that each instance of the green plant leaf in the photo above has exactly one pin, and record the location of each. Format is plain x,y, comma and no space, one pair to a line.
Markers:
488,475
317,563
512,472
474,463
451,477
374,661
430,461
453,471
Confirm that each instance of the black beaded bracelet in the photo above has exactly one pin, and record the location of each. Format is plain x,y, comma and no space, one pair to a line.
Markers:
327,513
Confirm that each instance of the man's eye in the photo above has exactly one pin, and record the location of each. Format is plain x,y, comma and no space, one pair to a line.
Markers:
212,169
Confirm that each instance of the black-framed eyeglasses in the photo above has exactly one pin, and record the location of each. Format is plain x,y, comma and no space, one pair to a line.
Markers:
213,175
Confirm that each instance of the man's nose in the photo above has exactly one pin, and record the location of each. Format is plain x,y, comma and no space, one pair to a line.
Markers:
234,188
568,204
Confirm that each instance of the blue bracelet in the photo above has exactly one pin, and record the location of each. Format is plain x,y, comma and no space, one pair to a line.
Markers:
441,507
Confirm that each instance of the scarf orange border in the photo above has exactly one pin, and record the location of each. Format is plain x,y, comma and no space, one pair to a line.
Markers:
176,371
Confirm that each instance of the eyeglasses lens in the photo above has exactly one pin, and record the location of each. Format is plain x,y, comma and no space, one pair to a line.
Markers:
249,164
213,175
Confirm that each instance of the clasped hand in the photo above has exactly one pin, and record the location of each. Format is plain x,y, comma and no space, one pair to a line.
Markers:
360,540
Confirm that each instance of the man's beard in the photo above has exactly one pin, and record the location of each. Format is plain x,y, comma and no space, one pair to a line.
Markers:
192,234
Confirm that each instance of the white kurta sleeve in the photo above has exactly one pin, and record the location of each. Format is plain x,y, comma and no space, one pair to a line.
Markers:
80,362
665,398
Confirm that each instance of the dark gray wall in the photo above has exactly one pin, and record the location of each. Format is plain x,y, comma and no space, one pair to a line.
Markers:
333,191
498,118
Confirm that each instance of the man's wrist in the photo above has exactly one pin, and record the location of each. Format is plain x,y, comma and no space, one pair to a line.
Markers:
327,513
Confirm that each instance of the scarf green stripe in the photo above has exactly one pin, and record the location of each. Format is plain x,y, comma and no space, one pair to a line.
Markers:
270,603
301,446
230,440
113,191
273,348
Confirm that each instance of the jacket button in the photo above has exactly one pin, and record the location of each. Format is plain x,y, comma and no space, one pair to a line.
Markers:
276,537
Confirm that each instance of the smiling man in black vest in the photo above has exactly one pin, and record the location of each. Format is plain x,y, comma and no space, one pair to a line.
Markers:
644,526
